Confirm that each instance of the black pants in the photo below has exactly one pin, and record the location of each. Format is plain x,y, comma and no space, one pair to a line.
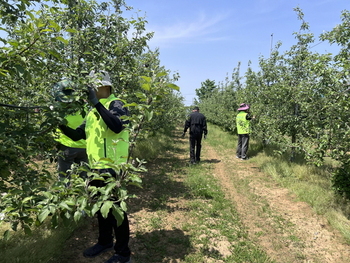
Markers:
242,146
67,156
106,226
195,147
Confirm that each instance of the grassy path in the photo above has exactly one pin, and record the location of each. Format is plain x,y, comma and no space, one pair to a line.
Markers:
287,229
222,210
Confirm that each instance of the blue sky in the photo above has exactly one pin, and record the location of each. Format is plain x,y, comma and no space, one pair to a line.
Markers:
206,39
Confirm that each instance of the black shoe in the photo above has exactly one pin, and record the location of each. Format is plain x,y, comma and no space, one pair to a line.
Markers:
244,158
118,259
96,250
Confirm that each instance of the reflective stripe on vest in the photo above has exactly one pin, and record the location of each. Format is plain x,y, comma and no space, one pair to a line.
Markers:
103,145
243,125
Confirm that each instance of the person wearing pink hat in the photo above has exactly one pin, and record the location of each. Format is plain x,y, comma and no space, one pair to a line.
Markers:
243,130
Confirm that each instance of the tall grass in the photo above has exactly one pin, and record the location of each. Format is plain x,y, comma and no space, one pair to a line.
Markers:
151,147
311,184
40,247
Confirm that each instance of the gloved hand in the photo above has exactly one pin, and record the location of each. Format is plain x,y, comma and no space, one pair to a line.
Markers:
205,136
92,96
183,135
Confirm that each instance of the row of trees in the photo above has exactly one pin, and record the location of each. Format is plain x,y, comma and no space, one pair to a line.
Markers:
300,99
42,43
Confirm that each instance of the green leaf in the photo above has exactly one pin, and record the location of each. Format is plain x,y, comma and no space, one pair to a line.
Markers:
40,24
71,30
47,195
54,221
147,79
148,115
134,104
43,215
64,205
82,201
146,86
77,216
20,70
105,208
55,26
70,202
173,86
123,206
109,187
27,199
27,230
30,14
160,74
62,40
7,235
118,214
95,208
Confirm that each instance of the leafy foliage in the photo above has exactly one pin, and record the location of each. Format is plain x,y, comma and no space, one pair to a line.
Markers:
67,39
300,99
206,89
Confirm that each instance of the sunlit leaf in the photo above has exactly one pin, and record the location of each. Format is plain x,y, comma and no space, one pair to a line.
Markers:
106,208
173,86
118,214
43,215
77,216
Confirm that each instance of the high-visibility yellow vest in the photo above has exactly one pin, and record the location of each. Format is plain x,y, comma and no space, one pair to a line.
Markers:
73,122
243,125
101,142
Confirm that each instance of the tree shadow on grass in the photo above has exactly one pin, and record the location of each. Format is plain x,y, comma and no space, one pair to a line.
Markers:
161,246
159,185
210,161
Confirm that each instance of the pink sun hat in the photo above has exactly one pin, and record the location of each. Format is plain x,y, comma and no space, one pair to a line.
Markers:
243,106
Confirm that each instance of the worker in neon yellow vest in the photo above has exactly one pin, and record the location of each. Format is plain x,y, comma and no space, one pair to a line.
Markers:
69,151
243,130
105,137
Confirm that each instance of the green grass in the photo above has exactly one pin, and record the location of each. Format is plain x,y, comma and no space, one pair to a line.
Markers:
189,219
217,221
310,184
40,247
206,219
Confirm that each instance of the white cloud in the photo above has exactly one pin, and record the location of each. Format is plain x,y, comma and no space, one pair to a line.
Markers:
202,29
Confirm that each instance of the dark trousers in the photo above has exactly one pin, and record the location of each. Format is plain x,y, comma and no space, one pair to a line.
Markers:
195,147
106,226
67,156
242,146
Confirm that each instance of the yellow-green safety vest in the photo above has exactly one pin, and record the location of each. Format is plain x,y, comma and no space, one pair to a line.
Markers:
101,142
73,122
243,125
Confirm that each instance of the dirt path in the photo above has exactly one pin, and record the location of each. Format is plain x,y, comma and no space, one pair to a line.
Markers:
288,230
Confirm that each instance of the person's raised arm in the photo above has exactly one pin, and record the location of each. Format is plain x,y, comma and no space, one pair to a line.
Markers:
75,134
112,115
